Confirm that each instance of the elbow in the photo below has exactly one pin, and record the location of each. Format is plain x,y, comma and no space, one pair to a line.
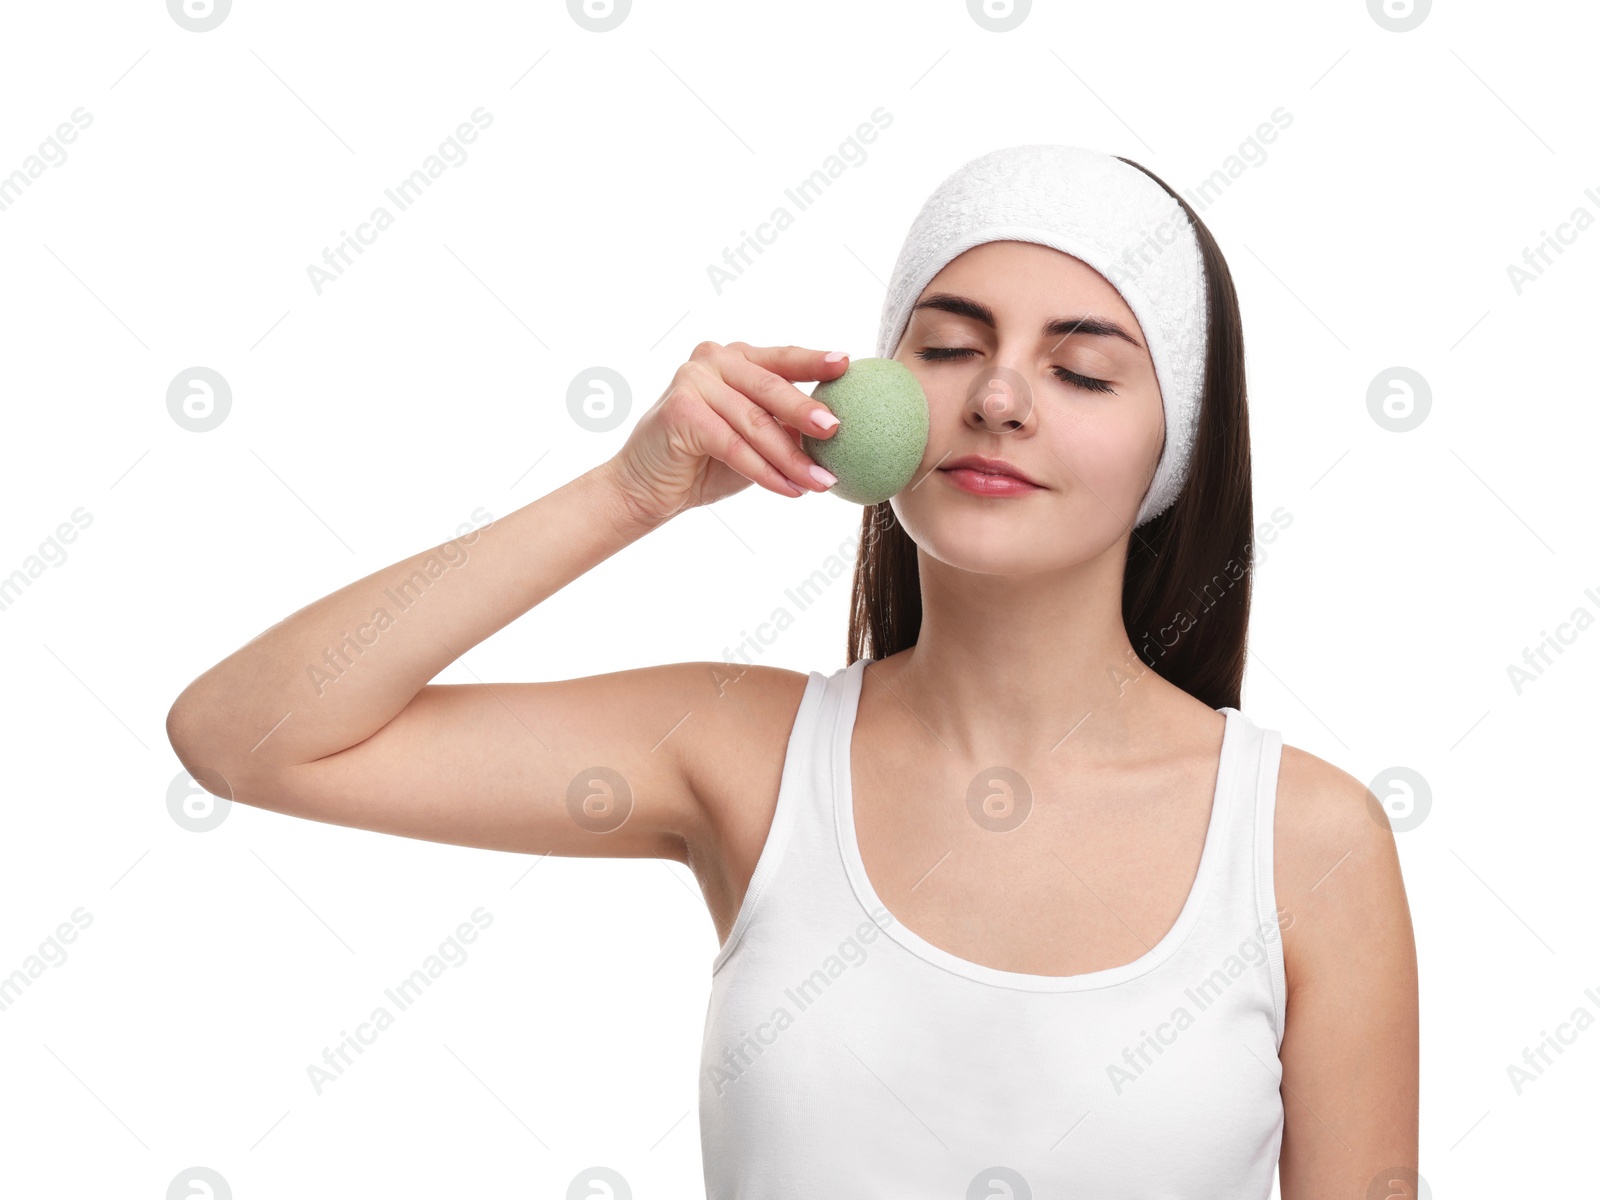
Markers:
196,744
181,733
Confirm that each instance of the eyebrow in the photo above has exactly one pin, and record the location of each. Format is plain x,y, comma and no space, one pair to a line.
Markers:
962,306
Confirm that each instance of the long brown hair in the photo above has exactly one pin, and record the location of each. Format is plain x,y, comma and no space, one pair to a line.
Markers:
1186,585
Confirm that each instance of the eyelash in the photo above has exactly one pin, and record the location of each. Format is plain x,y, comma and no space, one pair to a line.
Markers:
952,353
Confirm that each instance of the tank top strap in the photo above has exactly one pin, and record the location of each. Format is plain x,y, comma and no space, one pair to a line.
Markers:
801,835
1243,897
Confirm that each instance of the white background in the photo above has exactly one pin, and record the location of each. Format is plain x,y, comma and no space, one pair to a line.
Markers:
369,421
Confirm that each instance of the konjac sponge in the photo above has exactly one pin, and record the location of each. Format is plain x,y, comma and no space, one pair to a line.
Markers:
882,432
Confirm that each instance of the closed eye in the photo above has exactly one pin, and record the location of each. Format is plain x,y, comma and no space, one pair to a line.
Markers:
952,353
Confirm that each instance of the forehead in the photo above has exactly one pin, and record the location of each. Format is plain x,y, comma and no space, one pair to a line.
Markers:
1027,282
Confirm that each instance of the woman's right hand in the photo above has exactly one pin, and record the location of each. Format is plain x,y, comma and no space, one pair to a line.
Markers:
730,416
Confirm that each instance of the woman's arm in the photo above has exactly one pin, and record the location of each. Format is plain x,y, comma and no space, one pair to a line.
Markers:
329,714
1350,1046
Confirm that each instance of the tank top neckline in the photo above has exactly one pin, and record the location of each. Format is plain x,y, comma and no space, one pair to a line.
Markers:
841,740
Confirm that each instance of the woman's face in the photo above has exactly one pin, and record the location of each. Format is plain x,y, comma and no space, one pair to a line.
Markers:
1049,387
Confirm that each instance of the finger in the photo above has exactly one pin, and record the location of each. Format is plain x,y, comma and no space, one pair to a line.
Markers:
773,389
795,363
761,429
716,437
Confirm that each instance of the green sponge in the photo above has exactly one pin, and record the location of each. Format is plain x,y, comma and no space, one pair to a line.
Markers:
882,432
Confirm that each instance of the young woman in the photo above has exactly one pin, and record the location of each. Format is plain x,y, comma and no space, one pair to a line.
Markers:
1017,902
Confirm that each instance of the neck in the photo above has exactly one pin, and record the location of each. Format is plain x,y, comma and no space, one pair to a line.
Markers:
1030,664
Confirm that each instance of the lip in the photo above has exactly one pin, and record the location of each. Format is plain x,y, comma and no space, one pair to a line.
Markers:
983,465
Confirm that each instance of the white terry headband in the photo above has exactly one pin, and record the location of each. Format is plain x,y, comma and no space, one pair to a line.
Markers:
1104,212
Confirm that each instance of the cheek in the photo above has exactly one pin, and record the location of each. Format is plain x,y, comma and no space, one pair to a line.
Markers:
1110,450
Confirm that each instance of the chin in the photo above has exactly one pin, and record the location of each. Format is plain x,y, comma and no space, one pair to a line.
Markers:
1015,536
984,543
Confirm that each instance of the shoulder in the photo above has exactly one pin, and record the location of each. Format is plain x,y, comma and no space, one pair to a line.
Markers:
1350,1038
735,705
731,738
731,745
1336,870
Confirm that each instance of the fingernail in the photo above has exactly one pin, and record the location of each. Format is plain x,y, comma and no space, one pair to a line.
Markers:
822,476
823,419
836,356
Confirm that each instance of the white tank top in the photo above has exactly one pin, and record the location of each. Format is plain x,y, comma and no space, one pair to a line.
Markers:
846,1056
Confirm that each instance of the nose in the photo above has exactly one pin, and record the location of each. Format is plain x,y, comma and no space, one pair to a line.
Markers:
998,400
